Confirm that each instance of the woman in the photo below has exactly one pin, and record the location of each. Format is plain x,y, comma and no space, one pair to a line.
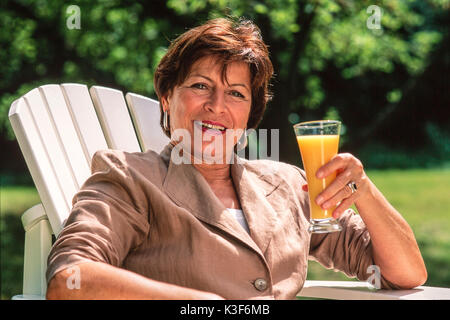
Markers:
144,226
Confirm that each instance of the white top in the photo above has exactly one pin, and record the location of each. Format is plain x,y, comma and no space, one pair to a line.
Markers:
239,215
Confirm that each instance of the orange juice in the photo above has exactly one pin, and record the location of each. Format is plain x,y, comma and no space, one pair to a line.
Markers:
317,150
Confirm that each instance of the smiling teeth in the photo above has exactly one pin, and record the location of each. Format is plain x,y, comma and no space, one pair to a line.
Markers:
212,126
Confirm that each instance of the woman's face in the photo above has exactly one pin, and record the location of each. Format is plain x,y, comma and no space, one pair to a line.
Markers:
205,104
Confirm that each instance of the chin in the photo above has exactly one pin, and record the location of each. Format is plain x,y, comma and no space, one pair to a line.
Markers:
214,153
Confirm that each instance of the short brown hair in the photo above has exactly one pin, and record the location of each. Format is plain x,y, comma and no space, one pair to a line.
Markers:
230,40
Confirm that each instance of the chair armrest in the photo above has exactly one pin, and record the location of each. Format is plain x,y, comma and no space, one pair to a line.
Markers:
28,297
38,242
32,216
357,290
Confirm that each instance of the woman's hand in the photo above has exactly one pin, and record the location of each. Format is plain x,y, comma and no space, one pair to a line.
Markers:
348,170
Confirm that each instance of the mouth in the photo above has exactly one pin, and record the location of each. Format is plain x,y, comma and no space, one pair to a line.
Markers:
211,127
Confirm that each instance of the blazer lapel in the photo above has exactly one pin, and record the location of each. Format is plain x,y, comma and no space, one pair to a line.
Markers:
189,189
253,189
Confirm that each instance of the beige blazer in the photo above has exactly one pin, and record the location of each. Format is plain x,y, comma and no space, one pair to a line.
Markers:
144,213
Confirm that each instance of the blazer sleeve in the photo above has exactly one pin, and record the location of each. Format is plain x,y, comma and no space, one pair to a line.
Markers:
108,219
348,251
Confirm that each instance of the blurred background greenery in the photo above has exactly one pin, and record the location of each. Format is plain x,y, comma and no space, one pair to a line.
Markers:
389,87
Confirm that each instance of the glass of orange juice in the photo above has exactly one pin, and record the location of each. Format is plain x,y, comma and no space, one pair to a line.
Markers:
318,142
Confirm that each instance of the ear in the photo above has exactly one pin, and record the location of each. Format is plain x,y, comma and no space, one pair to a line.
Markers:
165,101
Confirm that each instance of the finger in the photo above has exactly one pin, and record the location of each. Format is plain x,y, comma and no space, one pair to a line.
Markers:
305,187
344,205
342,194
338,162
335,186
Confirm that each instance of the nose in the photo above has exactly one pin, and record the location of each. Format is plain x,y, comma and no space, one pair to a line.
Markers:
216,102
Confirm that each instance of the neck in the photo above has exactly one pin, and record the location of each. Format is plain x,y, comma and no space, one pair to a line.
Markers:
214,172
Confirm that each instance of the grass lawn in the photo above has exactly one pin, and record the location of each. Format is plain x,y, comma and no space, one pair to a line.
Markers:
421,196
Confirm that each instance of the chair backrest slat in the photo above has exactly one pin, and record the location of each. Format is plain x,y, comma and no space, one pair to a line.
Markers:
115,119
146,116
71,146
85,119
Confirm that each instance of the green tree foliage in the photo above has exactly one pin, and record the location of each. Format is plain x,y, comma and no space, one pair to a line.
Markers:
328,61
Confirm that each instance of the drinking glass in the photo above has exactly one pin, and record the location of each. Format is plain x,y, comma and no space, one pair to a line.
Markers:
318,142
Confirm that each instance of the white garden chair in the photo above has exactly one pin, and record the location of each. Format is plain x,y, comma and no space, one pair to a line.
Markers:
60,127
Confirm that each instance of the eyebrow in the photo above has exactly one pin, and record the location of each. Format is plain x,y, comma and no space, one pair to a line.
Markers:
209,79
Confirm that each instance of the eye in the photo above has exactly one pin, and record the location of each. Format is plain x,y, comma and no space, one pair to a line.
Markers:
200,86
237,94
